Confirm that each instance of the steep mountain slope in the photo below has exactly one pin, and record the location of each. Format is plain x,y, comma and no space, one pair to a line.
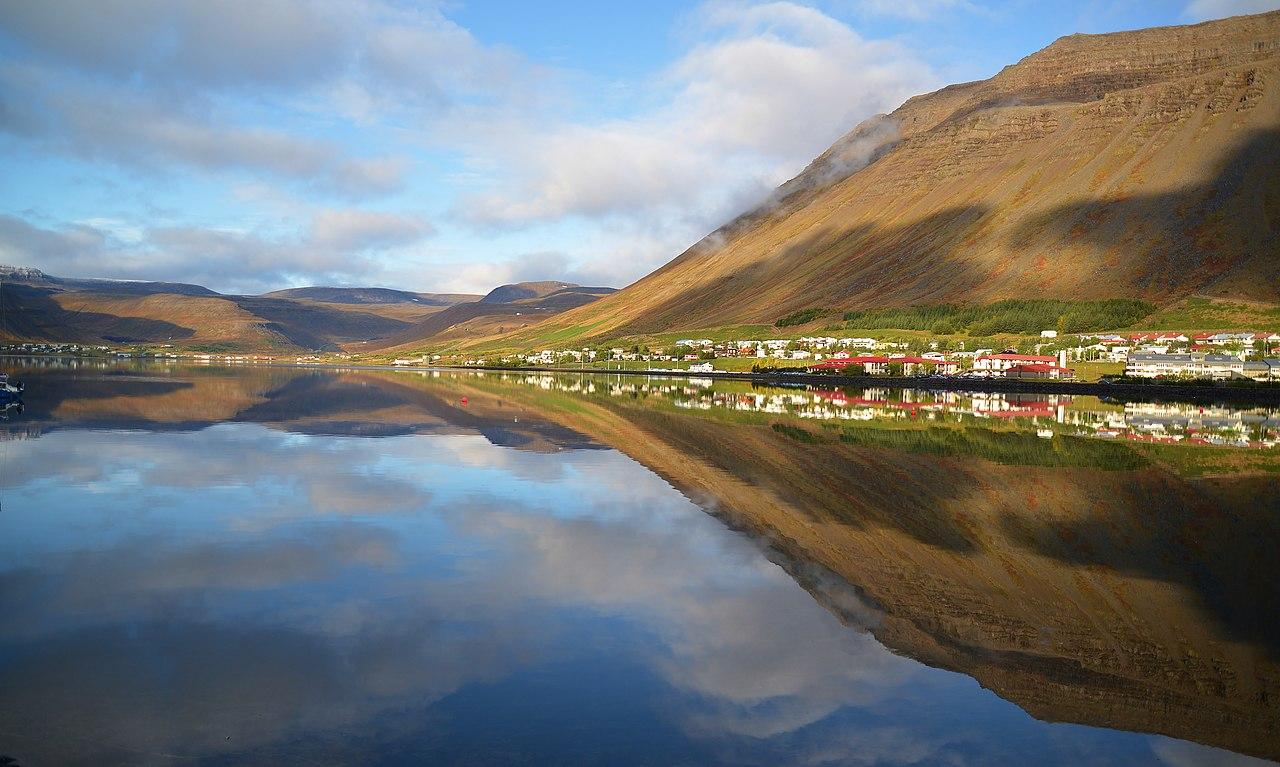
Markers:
1135,164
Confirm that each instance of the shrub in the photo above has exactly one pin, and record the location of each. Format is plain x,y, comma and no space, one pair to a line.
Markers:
798,318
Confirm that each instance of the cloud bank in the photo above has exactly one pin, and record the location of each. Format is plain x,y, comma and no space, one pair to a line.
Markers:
363,114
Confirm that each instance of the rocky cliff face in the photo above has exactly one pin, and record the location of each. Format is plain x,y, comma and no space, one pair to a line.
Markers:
1137,164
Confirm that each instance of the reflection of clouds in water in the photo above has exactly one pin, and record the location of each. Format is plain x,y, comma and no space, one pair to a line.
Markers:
159,574
277,587
623,544
200,689
1181,753
279,476
763,658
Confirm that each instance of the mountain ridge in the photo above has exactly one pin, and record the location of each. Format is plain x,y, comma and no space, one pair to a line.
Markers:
39,307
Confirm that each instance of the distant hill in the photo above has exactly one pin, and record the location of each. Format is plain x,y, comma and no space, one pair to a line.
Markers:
36,278
38,307
371,296
486,318
505,294
1129,165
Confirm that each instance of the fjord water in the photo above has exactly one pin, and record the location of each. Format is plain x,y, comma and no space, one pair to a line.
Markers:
280,565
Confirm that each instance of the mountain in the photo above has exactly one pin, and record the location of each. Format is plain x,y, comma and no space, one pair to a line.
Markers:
371,296
505,309
34,277
1135,164
505,294
38,307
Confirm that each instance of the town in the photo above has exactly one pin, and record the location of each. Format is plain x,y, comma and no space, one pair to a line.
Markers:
1165,355
1177,356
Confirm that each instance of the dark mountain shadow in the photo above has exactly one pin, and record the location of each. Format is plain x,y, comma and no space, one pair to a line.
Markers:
42,399
519,310
860,488
1184,251
1158,246
318,394
1224,555
343,405
319,327
31,313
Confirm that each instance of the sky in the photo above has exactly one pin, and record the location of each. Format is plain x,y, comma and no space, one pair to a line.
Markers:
252,145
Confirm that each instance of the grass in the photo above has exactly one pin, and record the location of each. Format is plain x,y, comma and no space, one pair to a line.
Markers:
1012,448
1095,369
1206,314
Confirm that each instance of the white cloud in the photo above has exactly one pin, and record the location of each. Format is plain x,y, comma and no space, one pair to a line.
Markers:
188,43
915,10
358,230
1183,753
125,128
1201,10
146,83
767,88
770,87
340,246
342,101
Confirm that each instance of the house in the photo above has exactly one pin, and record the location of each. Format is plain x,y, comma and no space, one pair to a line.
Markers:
858,343
702,367
998,363
1224,339
1262,370
1194,365
872,365
917,365
1037,371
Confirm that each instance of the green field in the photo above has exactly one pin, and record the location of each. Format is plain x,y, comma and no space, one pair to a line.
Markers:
1093,370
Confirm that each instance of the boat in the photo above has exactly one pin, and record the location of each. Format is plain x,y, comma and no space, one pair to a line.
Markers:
12,388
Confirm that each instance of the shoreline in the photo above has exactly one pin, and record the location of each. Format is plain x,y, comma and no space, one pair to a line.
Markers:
1264,394
1155,391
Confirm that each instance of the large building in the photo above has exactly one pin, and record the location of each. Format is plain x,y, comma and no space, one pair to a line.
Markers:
1194,365
1001,362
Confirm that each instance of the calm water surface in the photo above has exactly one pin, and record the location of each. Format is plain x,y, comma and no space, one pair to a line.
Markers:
287,566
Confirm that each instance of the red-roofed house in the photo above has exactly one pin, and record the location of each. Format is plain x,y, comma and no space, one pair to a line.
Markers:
1002,362
1037,371
870,364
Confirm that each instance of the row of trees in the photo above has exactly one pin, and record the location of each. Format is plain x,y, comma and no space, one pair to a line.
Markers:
1010,316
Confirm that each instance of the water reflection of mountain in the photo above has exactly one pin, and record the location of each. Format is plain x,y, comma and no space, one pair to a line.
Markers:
1083,580
300,401
1121,596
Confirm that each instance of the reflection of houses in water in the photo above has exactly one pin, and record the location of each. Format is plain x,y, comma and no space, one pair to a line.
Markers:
1002,405
1163,422
1139,422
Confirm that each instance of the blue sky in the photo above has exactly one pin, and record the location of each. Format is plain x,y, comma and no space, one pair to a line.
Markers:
250,145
